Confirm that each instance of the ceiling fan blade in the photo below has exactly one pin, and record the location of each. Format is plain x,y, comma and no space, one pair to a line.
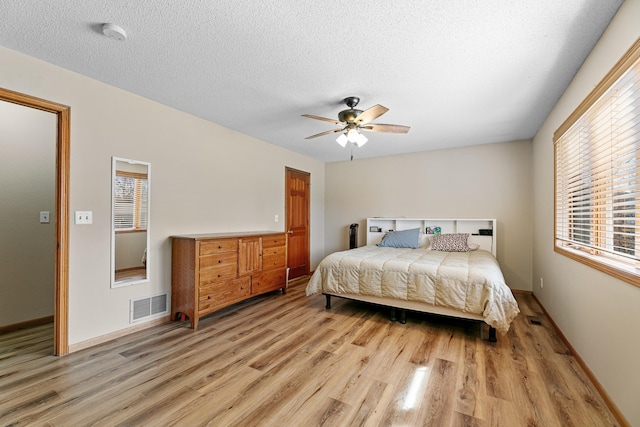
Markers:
371,114
324,133
324,119
379,127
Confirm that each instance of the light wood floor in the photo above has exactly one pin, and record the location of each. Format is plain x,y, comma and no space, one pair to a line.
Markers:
284,360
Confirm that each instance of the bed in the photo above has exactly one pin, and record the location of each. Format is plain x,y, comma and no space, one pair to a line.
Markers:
460,278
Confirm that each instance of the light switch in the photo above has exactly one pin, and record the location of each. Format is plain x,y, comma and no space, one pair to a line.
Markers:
84,217
275,218
44,217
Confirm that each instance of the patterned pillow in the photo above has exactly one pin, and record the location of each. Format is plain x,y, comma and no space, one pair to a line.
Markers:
450,242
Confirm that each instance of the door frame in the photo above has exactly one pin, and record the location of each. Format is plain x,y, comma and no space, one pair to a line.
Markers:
61,280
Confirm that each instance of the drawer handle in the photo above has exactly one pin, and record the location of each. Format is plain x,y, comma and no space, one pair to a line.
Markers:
219,275
219,261
209,297
219,247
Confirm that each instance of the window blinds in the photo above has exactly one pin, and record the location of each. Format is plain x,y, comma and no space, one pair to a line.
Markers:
130,201
597,172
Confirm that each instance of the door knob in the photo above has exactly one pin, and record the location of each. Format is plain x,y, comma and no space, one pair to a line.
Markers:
290,231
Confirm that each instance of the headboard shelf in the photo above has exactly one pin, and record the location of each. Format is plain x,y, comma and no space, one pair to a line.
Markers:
482,231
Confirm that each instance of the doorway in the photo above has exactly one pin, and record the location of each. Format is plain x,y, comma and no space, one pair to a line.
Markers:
61,244
298,195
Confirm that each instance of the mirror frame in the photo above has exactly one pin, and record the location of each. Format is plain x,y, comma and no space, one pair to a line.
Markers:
122,283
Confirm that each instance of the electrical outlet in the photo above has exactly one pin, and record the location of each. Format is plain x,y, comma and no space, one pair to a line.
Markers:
276,218
541,283
44,217
84,217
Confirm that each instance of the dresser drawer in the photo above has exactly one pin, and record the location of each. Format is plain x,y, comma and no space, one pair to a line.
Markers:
274,258
224,293
269,281
273,241
218,260
218,267
218,246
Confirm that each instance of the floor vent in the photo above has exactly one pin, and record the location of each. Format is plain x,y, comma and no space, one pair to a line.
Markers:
535,322
147,308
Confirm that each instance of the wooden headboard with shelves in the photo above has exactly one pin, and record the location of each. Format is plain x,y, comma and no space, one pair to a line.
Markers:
481,231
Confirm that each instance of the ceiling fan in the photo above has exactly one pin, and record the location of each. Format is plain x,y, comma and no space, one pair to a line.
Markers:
353,121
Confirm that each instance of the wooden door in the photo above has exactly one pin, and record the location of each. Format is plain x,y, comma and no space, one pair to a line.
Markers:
297,192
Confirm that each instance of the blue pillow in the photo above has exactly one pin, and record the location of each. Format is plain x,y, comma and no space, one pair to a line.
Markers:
401,239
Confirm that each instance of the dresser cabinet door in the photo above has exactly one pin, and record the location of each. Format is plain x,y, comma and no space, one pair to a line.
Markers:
249,255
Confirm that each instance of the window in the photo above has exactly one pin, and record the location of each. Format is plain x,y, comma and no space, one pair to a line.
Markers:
597,175
130,201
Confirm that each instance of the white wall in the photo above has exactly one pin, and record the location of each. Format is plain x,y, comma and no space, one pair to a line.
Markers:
27,186
205,178
487,181
598,314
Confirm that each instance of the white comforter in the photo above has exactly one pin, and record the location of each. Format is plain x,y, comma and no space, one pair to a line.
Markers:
471,282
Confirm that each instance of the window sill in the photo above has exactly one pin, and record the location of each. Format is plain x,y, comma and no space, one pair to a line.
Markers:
130,230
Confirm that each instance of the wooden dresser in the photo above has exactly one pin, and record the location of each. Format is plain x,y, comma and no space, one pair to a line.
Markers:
212,271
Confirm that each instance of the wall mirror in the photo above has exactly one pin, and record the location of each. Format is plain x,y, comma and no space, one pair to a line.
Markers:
130,190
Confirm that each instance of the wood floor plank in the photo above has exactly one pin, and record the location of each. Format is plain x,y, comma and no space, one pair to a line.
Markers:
498,379
532,400
471,385
464,420
394,348
424,353
440,399
284,359
213,400
404,406
594,409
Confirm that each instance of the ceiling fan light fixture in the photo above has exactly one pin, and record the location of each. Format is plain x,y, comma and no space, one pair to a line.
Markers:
352,135
342,140
352,121
361,140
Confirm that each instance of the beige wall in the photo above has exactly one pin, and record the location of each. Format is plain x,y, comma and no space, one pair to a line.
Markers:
598,314
27,187
487,181
205,178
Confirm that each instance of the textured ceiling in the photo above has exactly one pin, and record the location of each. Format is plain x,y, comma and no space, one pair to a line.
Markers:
459,72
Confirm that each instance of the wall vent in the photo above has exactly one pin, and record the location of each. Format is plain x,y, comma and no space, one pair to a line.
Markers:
147,308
